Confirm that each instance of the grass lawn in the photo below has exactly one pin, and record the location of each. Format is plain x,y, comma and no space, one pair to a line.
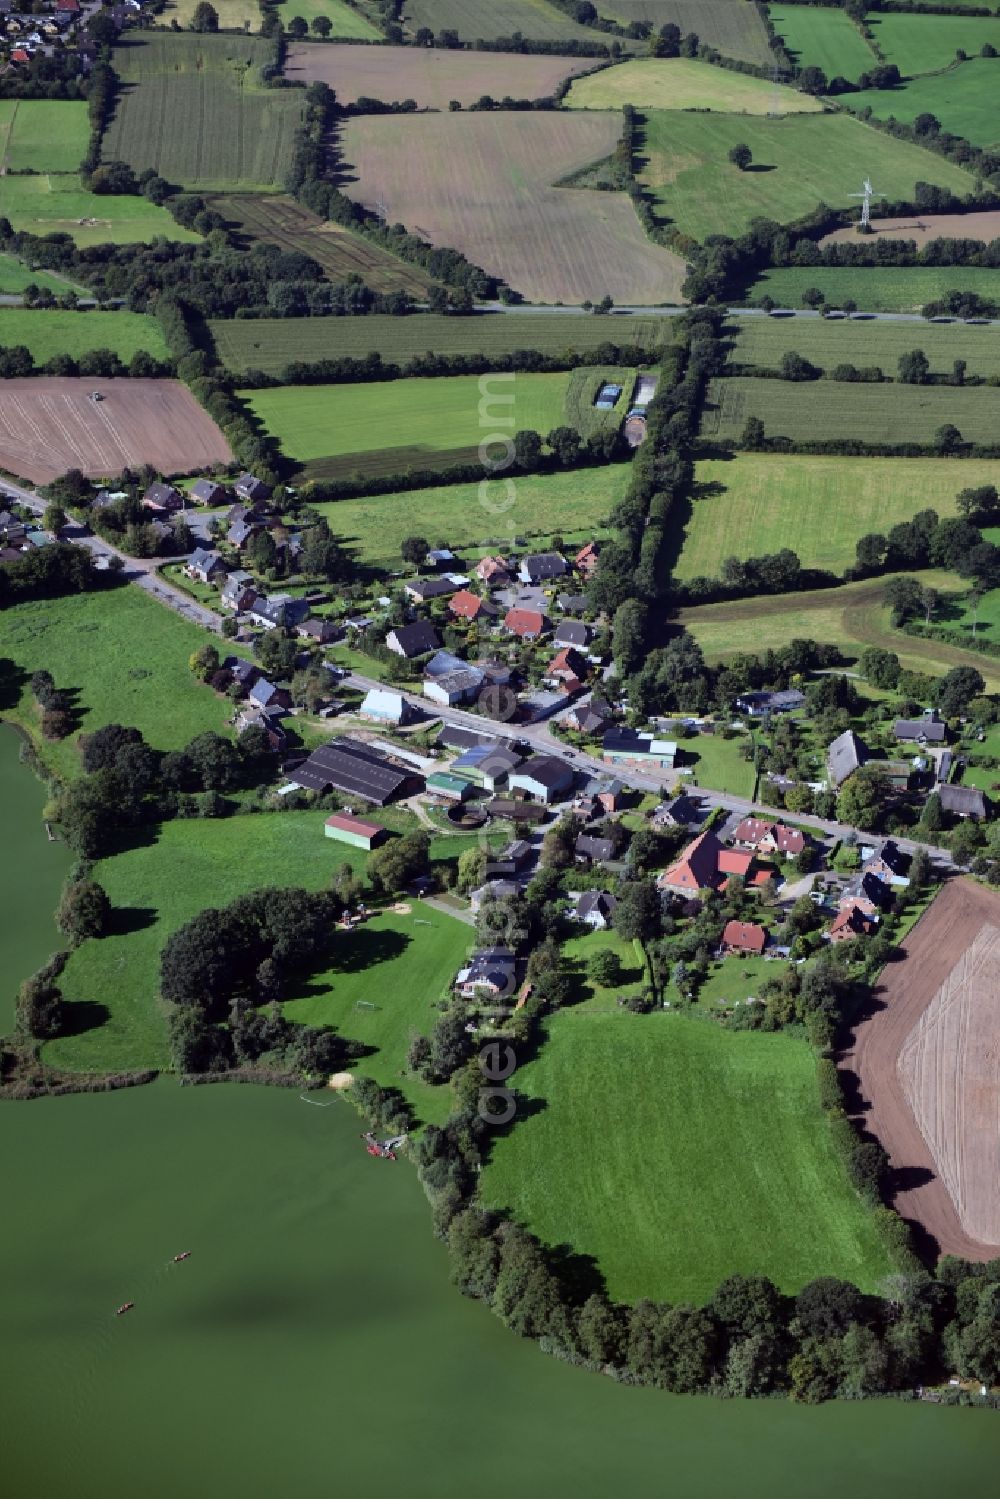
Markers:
676,1154
683,83
345,21
43,135
15,276
159,886
234,15
47,333
826,409
403,424
759,502
270,344
592,997
905,288
851,616
53,204
799,161
715,764
922,44
124,656
826,39
470,516
962,98
828,342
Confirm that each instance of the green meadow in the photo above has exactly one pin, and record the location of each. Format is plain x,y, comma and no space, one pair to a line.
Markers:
827,342
123,656
56,203
798,162
42,135
49,332
820,38
676,1154
877,289
684,83
818,506
468,515
157,886
15,276
923,44
962,98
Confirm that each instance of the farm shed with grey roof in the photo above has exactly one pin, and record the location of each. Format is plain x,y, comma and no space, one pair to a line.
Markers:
356,769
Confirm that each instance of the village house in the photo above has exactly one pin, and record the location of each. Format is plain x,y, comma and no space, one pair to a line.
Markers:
460,685
526,624
243,531
244,672
540,704
585,560
866,891
383,706
542,567
622,746
682,812
254,718
572,603
492,969
512,860
488,764
851,921
254,491
543,777
162,499
320,629
208,492
567,665
238,592
354,831
602,795
846,754
422,590
413,640
269,698
494,572
590,850
707,864
927,729
206,566
572,632
595,908
963,801
491,890
441,559
888,864
761,704
744,938
769,837
591,717
279,611
467,605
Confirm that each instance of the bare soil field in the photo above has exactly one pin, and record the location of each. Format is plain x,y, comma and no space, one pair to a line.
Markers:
483,184
49,425
431,76
926,226
926,1062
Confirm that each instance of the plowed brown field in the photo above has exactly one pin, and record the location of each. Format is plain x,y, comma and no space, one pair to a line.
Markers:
928,1069
484,184
50,424
432,76
926,226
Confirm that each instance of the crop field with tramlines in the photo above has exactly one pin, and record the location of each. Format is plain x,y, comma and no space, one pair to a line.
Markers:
732,26
828,409
431,76
798,162
490,19
270,344
42,135
484,184
281,221
194,108
905,288
827,342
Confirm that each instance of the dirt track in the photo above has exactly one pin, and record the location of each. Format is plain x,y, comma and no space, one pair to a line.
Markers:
965,1129
49,424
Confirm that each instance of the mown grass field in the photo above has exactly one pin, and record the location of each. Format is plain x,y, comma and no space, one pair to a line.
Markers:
47,333
826,39
677,1154
57,204
123,657
544,504
187,866
271,344
852,616
820,507
15,276
892,289
234,15
344,19
922,44
279,220
798,162
733,26
491,19
484,184
194,108
42,135
405,424
717,765
827,409
963,99
763,341
684,83
431,76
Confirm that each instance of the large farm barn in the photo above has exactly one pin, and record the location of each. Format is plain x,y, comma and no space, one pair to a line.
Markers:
928,1066
51,424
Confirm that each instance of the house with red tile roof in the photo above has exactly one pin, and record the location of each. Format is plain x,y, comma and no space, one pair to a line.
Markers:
586,559
744,937
468,605
526,624
707,864
493,571
568,664
769,837
851,922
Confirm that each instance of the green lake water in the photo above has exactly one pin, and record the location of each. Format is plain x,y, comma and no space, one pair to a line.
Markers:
312,1344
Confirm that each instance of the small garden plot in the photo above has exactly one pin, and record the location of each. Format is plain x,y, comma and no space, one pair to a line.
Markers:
827,39
877,289
683,83
431,76
41,135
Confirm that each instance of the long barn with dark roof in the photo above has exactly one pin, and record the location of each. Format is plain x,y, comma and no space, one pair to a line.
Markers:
357,770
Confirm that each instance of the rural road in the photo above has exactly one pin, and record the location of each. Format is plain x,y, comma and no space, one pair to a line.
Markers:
778,312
